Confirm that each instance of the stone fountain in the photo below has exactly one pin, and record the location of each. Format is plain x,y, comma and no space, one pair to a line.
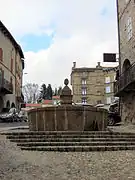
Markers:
67,117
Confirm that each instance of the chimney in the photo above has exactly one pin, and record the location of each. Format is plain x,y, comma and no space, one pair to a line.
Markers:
74,65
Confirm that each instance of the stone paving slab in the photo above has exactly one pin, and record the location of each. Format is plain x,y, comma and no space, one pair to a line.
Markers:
16,126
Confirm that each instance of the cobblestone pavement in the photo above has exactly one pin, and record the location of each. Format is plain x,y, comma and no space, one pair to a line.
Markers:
123,128
22,165
8,126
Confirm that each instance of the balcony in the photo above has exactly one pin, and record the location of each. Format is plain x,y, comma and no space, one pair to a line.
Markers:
5,86
126,82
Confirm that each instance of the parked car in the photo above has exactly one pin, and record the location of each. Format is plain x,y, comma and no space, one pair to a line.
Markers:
82,104
22,116
12,116
113,114
7,117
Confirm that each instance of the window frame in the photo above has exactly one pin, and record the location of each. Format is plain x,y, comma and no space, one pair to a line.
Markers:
129,28
107,92
106,79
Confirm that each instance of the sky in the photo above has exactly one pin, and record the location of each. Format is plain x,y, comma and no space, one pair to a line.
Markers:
55,33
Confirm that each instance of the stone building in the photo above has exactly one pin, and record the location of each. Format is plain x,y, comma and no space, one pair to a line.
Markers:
93,85
125,86
11,70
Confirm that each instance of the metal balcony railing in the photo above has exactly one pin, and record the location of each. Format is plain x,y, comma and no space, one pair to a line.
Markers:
6,86
125,79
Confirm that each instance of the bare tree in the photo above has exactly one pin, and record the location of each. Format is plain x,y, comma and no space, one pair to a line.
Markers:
31,92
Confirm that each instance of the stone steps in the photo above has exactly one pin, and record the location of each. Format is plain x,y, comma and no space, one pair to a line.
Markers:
66,133
78,141
69,139
78,148
115,143
71,136
54,133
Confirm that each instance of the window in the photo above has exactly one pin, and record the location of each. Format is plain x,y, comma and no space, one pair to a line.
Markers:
84,92
99,102
129,28
84,74
108,89
84,101
83,81
107,80
108,100
1,54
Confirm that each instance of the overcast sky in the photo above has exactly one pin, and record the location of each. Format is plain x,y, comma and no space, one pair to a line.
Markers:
54,33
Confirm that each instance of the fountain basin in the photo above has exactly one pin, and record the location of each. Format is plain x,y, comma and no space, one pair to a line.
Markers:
67,118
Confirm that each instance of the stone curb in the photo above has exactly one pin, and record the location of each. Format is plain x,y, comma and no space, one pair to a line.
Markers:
71,136
116,143
71,140
79,148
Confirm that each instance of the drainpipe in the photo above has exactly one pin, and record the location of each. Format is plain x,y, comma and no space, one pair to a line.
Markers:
118,28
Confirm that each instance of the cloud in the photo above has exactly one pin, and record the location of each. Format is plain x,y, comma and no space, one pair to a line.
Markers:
82,34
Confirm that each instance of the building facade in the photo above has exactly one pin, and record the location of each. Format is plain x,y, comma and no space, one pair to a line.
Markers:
93,85
11,70
125,86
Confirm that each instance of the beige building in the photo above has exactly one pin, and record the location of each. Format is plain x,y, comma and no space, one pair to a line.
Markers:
11,70
125,86
93,85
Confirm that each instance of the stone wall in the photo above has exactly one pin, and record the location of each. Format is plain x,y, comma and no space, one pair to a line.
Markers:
127,46
127,51
67,118
128,108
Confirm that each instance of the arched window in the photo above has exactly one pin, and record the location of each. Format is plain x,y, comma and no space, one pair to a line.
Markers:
127,73
13,105
8,104
126,65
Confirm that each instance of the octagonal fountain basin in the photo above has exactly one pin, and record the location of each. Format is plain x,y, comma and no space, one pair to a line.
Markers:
67,118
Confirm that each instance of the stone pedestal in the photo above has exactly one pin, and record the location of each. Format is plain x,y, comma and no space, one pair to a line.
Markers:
66,94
